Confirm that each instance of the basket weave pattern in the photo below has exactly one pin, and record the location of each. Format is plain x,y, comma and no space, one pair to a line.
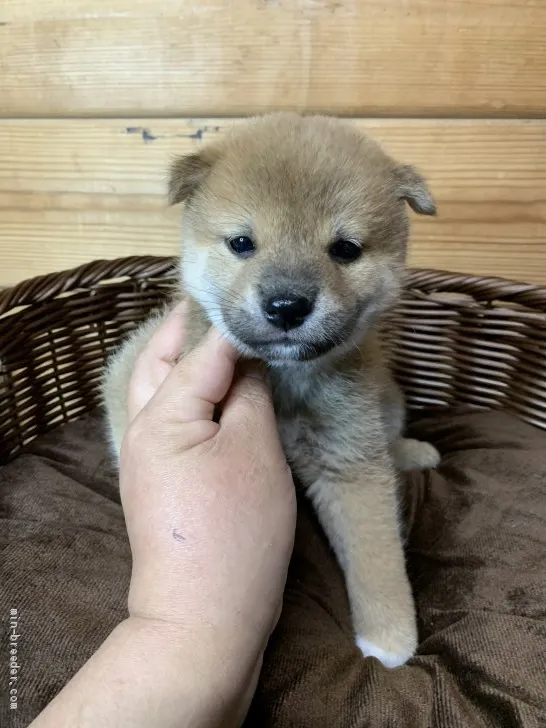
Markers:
455,339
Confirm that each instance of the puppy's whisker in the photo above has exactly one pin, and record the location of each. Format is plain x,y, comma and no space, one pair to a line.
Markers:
230,201
211,298
216,292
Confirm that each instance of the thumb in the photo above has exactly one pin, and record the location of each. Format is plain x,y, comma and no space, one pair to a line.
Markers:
248,405
199,381
155,362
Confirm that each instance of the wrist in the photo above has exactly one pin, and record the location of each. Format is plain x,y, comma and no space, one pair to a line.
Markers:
210,683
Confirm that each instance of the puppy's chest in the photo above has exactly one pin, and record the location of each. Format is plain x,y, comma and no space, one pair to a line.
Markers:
322,419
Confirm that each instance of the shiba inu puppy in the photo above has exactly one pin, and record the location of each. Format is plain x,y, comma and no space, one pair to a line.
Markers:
294,234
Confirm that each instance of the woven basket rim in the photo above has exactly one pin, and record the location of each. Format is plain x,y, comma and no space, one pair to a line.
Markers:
429,280
44,287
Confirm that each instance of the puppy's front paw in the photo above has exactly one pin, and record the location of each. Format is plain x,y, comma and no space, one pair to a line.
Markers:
389,630
396,656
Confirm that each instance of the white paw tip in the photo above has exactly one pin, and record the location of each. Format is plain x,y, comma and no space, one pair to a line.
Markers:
434,457
388,659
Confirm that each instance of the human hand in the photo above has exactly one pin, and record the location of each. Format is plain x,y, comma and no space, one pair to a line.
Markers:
210,507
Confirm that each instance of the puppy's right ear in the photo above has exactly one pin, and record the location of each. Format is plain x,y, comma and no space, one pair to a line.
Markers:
188,174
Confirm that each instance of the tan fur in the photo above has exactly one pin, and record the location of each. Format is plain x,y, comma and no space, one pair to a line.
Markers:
294,185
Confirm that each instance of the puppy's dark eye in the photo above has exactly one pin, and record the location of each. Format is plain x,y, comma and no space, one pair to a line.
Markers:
345,251
241,245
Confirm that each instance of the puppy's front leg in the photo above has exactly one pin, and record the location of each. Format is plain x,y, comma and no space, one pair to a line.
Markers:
359,515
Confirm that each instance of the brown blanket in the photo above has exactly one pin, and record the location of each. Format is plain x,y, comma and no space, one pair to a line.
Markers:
477,559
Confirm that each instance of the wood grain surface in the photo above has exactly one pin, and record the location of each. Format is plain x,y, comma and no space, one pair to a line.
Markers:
76,190
221,57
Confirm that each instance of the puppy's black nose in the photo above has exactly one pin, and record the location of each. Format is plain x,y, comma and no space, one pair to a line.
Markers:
288,311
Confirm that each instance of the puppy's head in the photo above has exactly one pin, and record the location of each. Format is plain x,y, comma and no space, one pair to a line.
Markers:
295,233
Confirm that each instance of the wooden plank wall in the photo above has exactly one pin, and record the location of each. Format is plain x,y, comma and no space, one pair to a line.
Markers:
96,98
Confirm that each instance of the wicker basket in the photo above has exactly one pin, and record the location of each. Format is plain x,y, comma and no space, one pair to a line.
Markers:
456,339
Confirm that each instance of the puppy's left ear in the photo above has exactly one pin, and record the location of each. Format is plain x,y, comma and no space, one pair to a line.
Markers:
413,188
